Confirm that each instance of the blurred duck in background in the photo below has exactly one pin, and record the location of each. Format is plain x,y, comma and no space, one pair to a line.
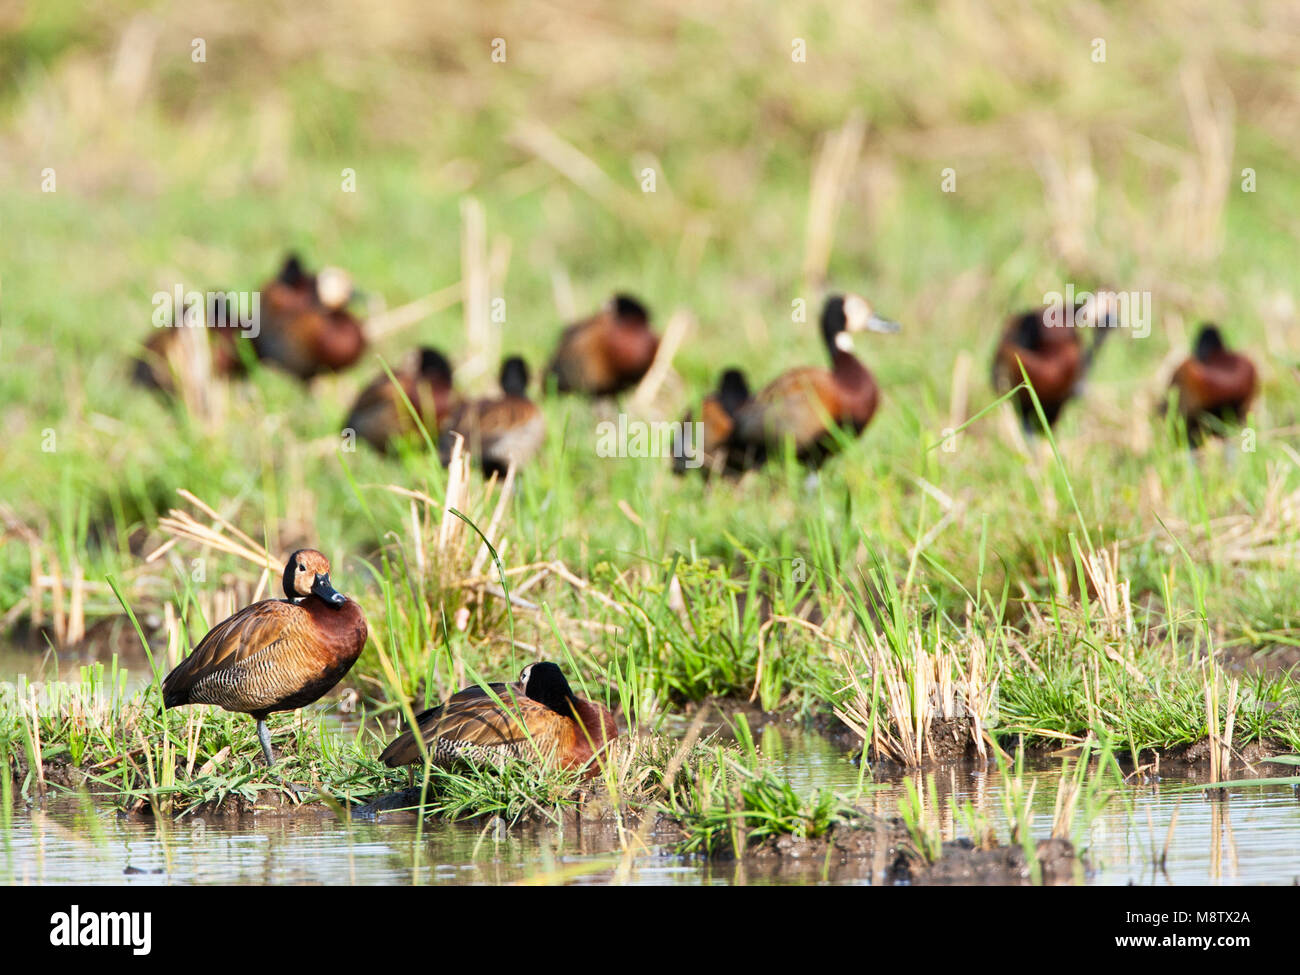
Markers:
380,415
607,353
1053,355
171,352
306,328
711,449
1214,388
498,430
812,407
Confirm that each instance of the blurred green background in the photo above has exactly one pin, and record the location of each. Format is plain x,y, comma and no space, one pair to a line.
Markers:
775,178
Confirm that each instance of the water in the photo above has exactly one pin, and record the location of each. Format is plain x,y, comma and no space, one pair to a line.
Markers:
1247,838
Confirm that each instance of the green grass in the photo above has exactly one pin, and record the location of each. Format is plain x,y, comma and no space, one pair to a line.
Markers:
732,801
687,590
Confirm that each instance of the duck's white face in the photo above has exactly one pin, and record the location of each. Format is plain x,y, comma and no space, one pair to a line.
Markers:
857,312
309,565
524,675
859,316
333,287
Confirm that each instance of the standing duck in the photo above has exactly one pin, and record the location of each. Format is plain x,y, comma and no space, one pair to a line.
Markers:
1054,359
277,654
306,328
710,448
380,415
607,353
801,405
537,718
1215,382
498,430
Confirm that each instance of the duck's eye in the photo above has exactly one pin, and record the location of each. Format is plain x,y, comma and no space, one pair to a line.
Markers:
301,567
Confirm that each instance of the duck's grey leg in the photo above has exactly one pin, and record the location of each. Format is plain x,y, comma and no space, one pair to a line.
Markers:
264,737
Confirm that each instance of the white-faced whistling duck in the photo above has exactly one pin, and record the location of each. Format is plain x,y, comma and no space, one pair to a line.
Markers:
498,430
1214,383
379,415
305,327
1054,357
159,362
277,654
797,404
539,718
718,421
607,353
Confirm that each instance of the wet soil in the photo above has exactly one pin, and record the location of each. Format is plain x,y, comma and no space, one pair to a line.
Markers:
882,851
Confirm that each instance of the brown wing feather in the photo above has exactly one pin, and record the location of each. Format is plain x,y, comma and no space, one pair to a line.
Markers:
796,404
472,725
251,630
580,363
1229,383
496,430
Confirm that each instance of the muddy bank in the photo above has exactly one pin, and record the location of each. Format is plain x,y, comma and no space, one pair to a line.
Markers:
882,851
872,850
62,779
952,742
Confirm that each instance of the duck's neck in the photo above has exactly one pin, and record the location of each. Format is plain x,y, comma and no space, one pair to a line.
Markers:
593,719
848,370
857,387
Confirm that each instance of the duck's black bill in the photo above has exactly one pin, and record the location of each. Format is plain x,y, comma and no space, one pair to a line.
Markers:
322,588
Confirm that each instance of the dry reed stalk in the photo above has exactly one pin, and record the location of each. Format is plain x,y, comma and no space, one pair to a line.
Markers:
38,601
835,161
1204,188
56,597
171,624
1226,758
1070,191
507,492
76,609
959,398
182,525
541,141
566,306
451,528
394,320
679,325
1212,723
1067,800
133,59
191,364
482,344
34,730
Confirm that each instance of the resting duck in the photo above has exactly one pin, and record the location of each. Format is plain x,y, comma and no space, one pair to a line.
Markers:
306,328
379,415
498,430
710,448
1214,387
1054,358
607,353
537,719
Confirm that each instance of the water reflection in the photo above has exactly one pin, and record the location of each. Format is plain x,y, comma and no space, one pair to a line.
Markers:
1245,838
